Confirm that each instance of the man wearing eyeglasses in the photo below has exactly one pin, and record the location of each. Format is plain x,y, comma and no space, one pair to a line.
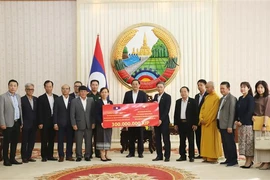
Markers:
29,113
76,93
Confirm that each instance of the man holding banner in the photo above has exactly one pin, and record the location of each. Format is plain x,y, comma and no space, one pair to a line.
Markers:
135,96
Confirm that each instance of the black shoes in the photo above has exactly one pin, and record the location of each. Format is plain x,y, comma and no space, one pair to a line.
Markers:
7,163
87,159
140,156
198,157
232,164
130,155
78,159
44,159
247,167
14,161
191,159
25,160
225,162
52,159
157,159
181,159
166,160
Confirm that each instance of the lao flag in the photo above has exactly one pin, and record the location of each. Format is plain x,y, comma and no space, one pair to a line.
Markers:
97,71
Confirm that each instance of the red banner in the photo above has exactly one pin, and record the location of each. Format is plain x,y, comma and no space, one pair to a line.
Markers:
130,115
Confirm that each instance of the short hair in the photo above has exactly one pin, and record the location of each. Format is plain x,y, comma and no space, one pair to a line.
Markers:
266,90
13,80
160,82
202,81
248,86
83,88
185,88
28,84
227,84
94,80
47,81
135,80
78,82
103,89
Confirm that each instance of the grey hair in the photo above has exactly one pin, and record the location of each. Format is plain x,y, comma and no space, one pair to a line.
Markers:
28,84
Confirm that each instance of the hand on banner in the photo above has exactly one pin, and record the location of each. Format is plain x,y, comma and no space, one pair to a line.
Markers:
159,122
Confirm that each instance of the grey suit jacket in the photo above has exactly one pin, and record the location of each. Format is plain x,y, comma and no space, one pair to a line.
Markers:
227,112
7,110
83,119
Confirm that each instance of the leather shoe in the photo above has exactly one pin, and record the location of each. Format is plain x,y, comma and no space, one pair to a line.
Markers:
181,159
191,159
69,159
14,161
52,159
130,155
7,163
78,159
61,159
166,160
225,162
157,159
44,159
31,160
25,161
87,159
198,157
140,156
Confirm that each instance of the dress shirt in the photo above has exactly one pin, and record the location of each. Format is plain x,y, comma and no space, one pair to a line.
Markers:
221,104
65,101
31,102
105,101
51,101
15,105
83,103
159,97
201,97
183,108
134,96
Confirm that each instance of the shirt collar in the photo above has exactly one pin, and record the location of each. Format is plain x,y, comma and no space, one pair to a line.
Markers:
49,95
83,99
185,100
13,95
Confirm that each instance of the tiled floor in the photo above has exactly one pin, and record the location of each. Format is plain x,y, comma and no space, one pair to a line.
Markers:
201,170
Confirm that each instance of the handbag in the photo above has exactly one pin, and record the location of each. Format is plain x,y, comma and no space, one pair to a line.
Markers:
263,142
258,123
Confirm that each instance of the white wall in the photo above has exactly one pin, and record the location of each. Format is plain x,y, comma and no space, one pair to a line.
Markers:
244,42
37,42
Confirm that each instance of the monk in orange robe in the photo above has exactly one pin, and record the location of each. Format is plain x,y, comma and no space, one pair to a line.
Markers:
210,139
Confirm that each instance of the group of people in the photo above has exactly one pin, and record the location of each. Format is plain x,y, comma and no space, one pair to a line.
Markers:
207,118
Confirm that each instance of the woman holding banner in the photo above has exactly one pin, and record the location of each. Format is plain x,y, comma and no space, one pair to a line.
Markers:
104,135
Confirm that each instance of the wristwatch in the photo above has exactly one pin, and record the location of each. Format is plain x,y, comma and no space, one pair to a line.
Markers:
264,125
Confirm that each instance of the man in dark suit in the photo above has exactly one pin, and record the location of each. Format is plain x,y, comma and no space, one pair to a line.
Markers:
11,121
186,121
94,86
135,96
29,113
199,98
225,123
164,101
82,116
45,117
76,93
62,124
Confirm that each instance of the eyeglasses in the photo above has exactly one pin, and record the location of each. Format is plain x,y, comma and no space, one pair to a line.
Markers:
30,89
77,86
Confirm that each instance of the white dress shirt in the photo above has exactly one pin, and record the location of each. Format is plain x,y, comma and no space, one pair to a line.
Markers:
220,106
134,96
159,97
66,101
105,101
183,108
201,97
83,103
51,101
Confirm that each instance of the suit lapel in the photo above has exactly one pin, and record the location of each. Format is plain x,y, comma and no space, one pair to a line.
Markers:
63,102
80,103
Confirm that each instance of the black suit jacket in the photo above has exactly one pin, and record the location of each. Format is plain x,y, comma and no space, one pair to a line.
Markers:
191,112
164,107
197,98
99,115
44,110
61,114
72,95
141,98
29,114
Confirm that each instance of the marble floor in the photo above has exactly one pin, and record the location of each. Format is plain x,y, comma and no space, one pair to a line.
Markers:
201,170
